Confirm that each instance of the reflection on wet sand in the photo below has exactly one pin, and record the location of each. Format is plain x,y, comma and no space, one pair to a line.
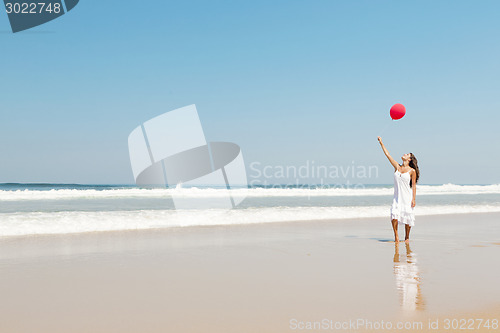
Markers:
408,280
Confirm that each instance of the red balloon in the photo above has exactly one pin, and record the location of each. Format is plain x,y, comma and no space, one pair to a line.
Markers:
398,111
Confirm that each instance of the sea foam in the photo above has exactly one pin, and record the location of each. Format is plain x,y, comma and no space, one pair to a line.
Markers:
72,194
32,223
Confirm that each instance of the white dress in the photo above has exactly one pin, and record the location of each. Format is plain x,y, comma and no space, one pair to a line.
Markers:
401,208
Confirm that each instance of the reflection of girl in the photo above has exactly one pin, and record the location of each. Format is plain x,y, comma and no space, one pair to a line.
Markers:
408,280
405,190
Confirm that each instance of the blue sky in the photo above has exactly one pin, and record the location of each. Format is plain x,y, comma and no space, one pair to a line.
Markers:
289,81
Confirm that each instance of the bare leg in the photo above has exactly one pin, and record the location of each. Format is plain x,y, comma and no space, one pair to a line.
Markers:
407,233
395,228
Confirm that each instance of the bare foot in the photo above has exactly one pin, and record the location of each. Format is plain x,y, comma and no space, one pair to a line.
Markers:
396,240
407,241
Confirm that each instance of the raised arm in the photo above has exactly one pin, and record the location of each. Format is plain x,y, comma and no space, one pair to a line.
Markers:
393,162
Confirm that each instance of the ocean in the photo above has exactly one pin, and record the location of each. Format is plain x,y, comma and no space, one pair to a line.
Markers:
32,209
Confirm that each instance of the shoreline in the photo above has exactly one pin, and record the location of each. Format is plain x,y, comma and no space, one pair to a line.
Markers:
248,278
243,225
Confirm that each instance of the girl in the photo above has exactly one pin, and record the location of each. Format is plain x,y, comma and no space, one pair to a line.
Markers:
405,190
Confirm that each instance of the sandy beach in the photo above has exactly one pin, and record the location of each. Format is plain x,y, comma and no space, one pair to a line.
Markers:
274,277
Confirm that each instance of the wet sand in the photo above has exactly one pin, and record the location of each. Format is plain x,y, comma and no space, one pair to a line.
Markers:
274,277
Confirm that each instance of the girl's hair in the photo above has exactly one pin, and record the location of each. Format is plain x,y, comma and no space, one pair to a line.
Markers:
414,164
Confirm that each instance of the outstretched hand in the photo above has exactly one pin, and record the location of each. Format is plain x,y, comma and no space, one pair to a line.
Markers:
379,139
